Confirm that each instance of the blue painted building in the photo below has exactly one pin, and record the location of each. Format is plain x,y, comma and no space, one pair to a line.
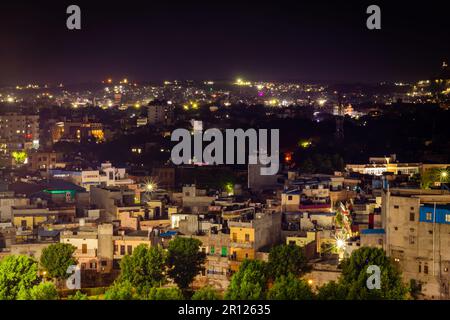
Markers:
427,212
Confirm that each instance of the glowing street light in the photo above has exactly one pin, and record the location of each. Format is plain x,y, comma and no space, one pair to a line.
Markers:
150,187
340,244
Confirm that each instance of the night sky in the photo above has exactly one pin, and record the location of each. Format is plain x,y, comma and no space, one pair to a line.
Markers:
278,40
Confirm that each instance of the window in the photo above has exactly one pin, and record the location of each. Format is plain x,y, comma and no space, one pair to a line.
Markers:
289,198
429,216
396,207
122,250
447,218
103,263
291,242
420,267
411,216
425,268
212,250
84,248
129,249
234,235
247,237
412,239
224,252
116,248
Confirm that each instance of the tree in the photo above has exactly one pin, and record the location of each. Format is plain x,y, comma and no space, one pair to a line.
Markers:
286,259
206,293
352,284
164,294
145,267
249,283
185,260
290,288
121,290
78,296
354,275
42,291
332,291
17,272
56,258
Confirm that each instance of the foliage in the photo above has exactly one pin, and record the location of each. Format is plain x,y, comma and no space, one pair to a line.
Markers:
121,290
56,258
17,272
430,176
78,296
164,294
19,156
249,283
42,291
353,282
145,267
286,259
206,293
332,291
290,288
185,260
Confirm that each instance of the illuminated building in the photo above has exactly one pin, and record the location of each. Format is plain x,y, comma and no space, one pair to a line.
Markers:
160,113
19,132
417,227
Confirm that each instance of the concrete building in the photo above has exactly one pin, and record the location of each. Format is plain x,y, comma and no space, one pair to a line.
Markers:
7,201
45,160
249,236
107,175
417,226
160,113
21,129
113,200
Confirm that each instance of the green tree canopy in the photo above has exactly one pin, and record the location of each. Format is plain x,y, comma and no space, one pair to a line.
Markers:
121,290
185,260
332,291
290,288
352,284
42,291
249,283
164,294
285,259
145,267
206,293
56,258
17,272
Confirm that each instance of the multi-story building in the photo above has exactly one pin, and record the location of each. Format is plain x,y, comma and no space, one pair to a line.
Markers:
45,160
72,131
417,227
160,113
7,201
23,129
107,175
248,236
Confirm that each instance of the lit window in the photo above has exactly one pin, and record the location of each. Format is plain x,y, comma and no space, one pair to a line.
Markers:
447,218
429,216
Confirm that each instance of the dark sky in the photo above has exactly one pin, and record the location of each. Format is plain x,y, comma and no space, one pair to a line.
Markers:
277,40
